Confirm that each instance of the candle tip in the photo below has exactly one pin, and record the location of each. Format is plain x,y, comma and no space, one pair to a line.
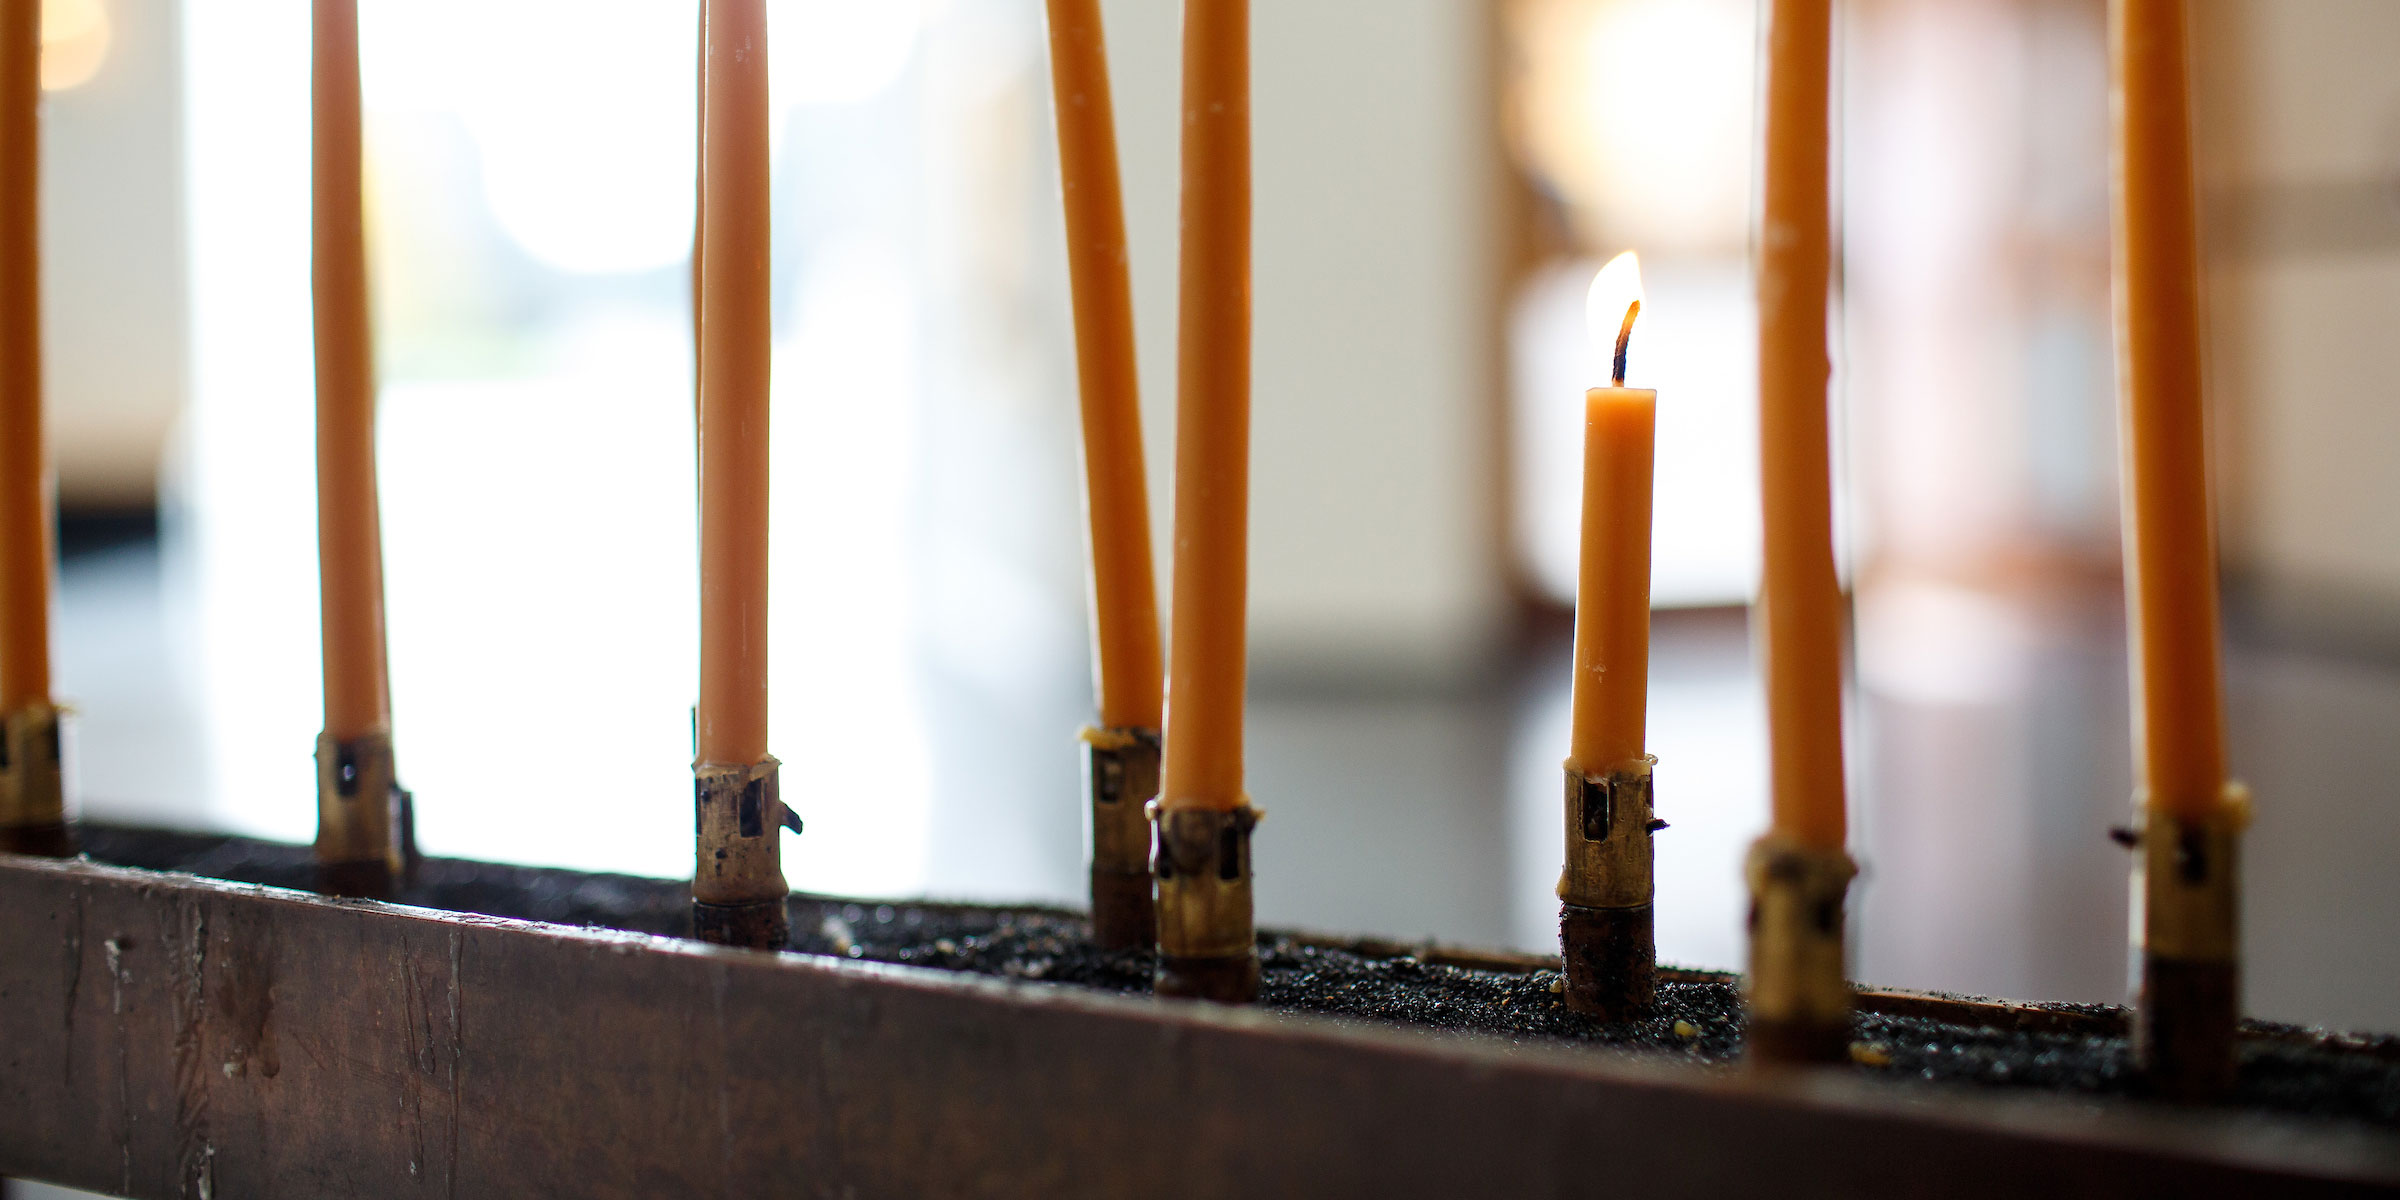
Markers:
1610,307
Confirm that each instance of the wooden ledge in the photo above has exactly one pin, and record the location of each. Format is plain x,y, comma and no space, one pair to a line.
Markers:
174,1036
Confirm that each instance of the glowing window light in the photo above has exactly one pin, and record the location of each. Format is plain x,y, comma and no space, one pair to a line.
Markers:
587,146
1639,113
837,51
75,39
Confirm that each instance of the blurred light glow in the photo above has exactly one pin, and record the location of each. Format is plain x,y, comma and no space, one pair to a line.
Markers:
579,145
75,40
1608,308
1927,641
578,122
842,648
1639,112
837,51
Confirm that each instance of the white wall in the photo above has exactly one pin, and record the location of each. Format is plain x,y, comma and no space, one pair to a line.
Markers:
112,260
1376,263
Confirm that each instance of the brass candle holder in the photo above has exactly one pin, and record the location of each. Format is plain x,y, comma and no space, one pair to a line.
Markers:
2186,904
738,889
1606,923
1798,995
33,798
1207,938
361,850
1121,777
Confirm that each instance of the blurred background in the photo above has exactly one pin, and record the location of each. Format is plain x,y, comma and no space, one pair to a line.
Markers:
1436,180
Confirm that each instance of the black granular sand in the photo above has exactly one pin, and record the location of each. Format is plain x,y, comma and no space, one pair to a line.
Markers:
2074,1048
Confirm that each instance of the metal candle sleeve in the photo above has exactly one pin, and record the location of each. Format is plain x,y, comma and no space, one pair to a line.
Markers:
1799,997
738,890
359,845
1605,921
33,803
1207,941
2186,895
1121,776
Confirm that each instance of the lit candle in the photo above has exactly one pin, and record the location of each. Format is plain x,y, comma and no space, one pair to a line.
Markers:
2170,554
1116,497
24,472
1612,590
734,354
1203,759
1607,931
1803,602
349,538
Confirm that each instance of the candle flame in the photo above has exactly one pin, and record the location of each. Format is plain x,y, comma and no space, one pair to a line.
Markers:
1609,309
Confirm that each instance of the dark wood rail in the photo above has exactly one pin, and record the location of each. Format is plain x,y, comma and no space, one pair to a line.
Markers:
170,1036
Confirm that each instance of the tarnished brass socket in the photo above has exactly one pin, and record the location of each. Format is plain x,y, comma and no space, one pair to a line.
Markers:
1121,775
33,795
738,890
2186,893
359,850
1207,941
1611,959
1606,928
1799,996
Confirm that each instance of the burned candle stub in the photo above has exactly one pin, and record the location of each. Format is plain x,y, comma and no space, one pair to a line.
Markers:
738,889
359,846
1799,998
2186,896
33,806
1606,922
1121,775
1207,938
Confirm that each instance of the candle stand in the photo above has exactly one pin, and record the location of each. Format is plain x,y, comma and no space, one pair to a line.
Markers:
359,817
1121,777
174,1035
1606,926
2186,890
738,888
1799,997
1207,941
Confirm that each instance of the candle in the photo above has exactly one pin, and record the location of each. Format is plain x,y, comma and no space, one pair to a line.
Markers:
2170,556
1612,590
1803,602
1203,756
1116,496
349,540
24,471
734,354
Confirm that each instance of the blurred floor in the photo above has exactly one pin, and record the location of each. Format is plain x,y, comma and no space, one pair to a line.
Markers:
1991,759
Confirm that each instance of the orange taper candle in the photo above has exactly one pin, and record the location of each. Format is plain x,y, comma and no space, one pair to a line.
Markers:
735,349
1612,587
2170,550
699,208
349,536
24,466
1202,765
1116,494
1803,601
